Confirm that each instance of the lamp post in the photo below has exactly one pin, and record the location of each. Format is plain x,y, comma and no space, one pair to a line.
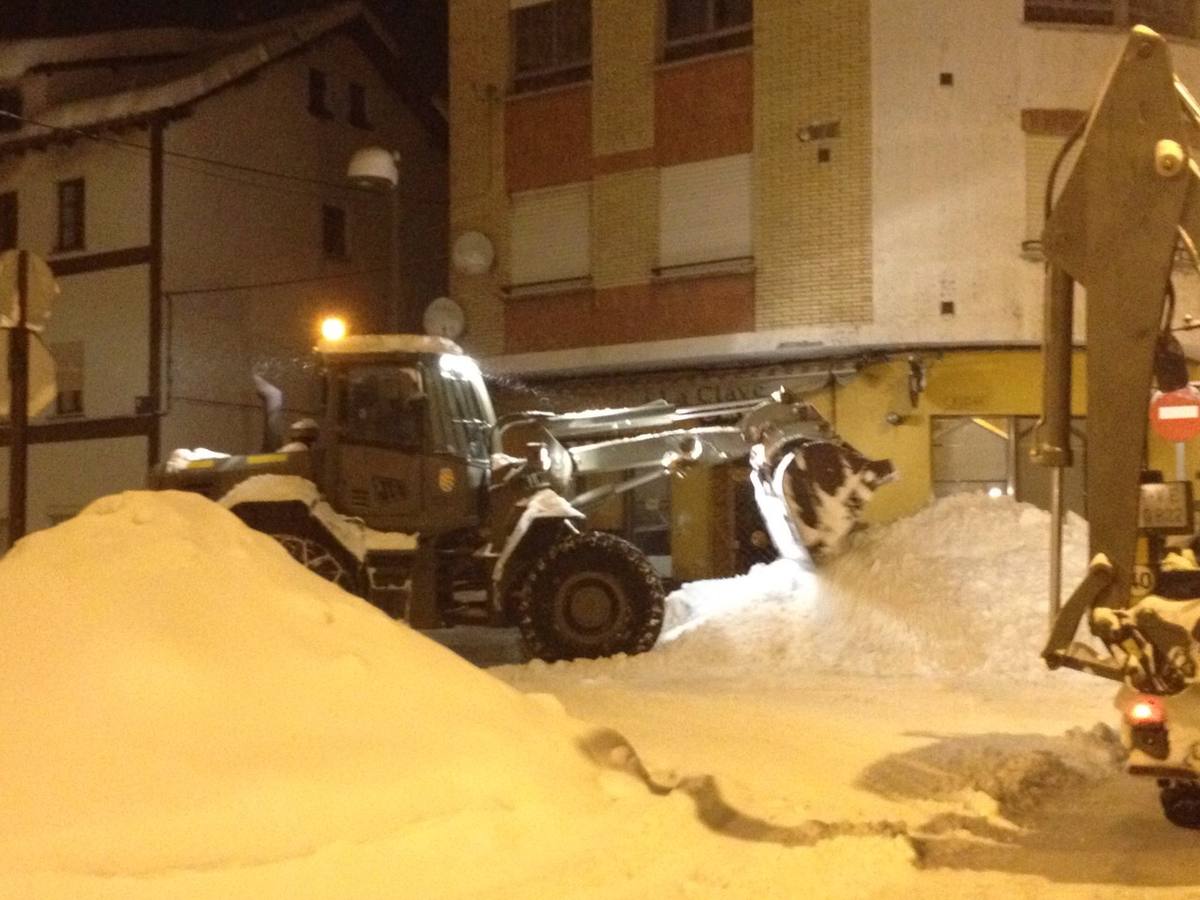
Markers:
379,169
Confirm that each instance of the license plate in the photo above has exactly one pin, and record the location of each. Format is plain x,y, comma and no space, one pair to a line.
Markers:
1166,508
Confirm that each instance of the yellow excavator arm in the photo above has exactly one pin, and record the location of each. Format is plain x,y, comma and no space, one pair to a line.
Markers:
1130,202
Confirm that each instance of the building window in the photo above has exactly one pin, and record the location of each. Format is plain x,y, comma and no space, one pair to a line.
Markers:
705,212
71,206
991,455
8,221
552,234
10,102
333,232
695,27
358,106
551,44
318,90
1177,17
68,366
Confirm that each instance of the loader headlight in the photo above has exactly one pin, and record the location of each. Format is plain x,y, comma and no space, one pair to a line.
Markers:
333,328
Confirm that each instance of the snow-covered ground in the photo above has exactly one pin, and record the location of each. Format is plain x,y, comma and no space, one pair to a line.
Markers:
186,713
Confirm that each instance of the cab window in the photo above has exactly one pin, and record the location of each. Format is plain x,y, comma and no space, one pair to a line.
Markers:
377,404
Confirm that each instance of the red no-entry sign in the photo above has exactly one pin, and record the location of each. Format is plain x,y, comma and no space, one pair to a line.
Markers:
1175,415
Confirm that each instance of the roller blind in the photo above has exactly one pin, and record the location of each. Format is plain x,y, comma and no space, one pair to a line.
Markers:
705,211
552,234
1040,151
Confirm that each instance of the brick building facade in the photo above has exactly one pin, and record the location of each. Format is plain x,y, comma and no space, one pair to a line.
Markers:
725,191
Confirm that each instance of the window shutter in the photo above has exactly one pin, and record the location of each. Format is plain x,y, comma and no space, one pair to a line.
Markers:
1040,150
705,211
552,234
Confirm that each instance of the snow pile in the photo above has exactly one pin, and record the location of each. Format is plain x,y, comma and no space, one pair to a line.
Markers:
178,694
1020,773
959,588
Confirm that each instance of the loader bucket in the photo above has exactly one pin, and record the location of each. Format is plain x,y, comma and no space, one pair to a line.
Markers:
812,493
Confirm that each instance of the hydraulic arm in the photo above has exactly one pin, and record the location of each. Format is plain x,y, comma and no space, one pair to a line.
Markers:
1132,198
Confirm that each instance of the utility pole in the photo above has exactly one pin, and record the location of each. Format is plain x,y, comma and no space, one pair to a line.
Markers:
18,377
27,290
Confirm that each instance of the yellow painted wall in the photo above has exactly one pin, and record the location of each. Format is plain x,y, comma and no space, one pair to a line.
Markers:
960,383
984,383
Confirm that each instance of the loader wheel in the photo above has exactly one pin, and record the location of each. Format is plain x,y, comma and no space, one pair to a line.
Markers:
315,556
1181,804
592,594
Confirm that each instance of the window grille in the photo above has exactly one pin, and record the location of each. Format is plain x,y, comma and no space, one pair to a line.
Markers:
71,205
333,232
358,106
8,220
318,90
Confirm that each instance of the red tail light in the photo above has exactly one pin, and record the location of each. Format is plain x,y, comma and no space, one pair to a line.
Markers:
1146,710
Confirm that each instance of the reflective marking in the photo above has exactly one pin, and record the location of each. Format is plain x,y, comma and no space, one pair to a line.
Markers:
259,459
202,464
1179,412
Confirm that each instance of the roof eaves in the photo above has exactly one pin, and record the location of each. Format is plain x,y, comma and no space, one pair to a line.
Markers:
145,103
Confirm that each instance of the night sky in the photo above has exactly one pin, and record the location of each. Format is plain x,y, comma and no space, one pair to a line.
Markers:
419,25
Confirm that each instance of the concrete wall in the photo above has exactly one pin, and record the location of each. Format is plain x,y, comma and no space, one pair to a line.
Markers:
949,169
107,311
226,228
63,478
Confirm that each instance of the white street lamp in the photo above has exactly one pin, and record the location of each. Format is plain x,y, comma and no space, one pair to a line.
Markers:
379,169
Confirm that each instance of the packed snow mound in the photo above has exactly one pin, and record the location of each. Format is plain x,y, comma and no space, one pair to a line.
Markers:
958,589
1020,773
178,693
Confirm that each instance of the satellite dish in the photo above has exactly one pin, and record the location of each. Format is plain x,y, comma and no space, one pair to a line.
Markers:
444,318
473,253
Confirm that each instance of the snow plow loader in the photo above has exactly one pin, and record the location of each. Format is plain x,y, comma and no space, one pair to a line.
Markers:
1129,212
412,494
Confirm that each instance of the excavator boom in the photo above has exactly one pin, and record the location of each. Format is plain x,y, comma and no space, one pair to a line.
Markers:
1131,199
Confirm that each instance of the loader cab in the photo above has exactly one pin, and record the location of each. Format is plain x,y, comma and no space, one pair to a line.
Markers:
407,440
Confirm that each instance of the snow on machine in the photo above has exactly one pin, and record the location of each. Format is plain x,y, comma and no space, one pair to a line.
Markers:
412,494
1129,208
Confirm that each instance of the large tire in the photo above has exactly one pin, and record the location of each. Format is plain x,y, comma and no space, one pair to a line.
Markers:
1181,804
591,595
